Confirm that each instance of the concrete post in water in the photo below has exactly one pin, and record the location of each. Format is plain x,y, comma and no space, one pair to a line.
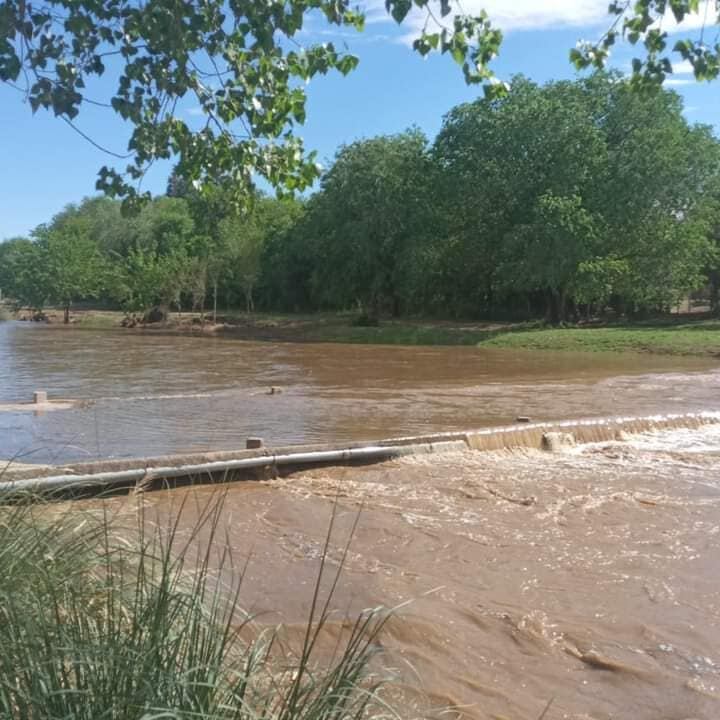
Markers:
558,441
40,397
254,443
522,419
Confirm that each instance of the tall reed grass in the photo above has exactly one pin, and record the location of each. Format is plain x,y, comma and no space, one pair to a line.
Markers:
101,621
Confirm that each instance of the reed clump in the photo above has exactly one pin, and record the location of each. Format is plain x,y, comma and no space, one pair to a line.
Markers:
101,621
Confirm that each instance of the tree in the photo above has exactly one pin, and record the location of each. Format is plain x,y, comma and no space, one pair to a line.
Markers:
658,196
165,226
23,273
73,265
567,199
208,210
243,238
508,167
568,179
288,260
240,61
177,186
368,219
159,245
546,254
153,280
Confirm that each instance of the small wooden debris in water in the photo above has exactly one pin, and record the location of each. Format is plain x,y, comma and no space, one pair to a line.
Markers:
594,659
526,501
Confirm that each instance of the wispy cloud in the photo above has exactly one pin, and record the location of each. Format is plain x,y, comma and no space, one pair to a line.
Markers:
706,16
346,36
509,15
195,111
526,15
679,81
682,68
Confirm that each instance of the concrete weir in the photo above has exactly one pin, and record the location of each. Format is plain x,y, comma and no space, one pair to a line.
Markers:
144,474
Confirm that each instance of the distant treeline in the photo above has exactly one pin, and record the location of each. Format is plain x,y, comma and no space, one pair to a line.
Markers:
566,200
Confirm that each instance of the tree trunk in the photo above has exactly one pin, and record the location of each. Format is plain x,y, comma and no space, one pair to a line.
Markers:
375,307
549,307
66,314
715,292
215,302
395,306
556,302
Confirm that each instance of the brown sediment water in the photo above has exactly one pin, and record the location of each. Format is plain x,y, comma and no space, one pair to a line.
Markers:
148,395
589,577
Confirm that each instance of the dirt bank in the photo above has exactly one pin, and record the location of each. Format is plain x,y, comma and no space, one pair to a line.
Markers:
690,334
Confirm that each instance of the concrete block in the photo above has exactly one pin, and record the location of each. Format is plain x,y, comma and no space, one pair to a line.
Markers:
558,441
40,397
254,443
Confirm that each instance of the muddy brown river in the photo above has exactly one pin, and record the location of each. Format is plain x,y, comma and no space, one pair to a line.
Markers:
584,584
589,578
152,395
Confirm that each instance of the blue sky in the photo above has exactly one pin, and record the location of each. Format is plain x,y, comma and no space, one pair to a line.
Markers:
45,164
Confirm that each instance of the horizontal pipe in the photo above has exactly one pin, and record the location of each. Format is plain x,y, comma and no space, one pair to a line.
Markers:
128,477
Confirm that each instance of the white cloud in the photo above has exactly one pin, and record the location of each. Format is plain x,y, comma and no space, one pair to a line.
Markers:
533,15
523,15
520,14
706,16
195,111
679,81
682,68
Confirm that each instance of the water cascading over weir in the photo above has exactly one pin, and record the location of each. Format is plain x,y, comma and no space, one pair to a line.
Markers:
262,462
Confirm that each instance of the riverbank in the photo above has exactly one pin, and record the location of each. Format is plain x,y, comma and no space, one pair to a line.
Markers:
690,335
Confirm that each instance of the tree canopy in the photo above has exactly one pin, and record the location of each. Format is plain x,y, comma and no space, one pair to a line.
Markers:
565,200
242,63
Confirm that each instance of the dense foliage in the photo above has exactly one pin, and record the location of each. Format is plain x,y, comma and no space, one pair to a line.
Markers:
241,63
562,200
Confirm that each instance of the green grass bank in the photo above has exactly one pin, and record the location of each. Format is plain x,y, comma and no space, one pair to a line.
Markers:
701,338
698,337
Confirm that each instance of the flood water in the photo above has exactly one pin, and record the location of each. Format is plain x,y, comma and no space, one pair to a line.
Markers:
154,394
590,578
